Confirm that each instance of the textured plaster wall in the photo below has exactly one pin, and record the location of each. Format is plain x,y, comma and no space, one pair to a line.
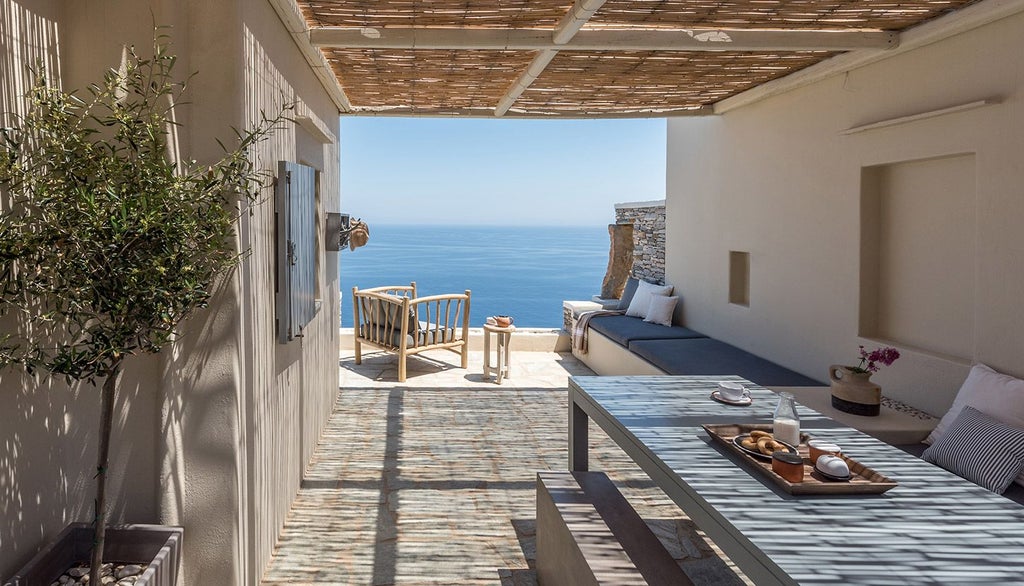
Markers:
778,180
290,387
226,418
243,425
202,419
49,430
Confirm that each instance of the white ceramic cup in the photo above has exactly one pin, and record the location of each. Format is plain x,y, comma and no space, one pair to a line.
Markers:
731,391
818,448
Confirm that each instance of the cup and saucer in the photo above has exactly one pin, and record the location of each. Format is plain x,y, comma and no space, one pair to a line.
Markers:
732,393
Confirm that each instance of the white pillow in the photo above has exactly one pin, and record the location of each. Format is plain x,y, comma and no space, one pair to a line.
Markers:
660,310
998,395
642,298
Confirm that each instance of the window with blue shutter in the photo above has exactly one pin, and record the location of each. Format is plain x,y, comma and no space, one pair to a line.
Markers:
295,211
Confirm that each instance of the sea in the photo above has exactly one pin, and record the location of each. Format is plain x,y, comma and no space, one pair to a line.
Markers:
525,272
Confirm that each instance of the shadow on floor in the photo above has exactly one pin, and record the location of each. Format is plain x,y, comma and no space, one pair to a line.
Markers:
433,481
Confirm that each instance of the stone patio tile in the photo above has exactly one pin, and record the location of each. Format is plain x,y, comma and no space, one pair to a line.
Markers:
433,481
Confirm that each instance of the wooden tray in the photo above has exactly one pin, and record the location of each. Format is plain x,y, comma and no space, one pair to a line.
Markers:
863,480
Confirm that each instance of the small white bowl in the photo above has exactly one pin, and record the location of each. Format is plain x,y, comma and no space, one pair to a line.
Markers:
833,467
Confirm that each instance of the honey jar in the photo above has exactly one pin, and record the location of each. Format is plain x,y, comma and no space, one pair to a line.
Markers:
788,465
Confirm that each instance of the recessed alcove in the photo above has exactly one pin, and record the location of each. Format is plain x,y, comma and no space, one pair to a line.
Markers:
739,278
918,254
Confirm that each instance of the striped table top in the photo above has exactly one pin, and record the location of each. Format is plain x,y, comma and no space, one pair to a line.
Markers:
934,528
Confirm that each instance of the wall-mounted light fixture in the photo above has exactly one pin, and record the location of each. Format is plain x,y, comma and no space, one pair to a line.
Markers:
351,233
337,229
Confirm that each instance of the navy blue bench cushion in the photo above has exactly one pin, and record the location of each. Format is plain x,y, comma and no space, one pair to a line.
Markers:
623,329
706,356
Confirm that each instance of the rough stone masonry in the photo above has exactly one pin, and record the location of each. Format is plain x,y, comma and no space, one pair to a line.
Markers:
648,220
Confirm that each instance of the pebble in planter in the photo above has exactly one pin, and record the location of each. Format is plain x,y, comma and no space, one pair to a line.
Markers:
116,574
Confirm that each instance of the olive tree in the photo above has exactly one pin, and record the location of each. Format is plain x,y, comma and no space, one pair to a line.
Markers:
107,242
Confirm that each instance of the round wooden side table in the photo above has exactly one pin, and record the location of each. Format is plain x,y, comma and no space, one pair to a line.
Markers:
504,337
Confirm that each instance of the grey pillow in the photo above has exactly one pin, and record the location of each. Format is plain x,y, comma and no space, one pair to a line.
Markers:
383,314
981,449
627,293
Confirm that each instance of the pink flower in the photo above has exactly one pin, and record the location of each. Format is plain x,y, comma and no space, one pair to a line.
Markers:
872,361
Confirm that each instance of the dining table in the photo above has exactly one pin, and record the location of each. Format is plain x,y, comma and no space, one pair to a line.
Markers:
933,527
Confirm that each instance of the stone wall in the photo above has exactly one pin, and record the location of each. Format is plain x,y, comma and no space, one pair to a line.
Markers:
648,219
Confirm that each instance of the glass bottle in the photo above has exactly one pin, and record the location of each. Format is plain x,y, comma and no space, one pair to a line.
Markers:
786,425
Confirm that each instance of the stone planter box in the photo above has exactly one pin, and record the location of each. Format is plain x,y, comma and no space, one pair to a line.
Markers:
156,545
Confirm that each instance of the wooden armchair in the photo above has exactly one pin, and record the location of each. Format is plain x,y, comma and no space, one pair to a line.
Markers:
393,319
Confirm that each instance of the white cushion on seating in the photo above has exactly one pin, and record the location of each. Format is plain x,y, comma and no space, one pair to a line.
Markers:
642,298
660,310
998,395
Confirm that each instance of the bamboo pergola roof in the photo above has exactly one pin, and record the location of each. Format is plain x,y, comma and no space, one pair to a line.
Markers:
592,58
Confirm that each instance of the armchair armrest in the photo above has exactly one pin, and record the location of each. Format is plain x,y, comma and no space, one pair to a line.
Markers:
443,315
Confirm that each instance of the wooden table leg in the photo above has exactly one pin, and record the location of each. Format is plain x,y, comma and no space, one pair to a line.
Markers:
508,355
487,353
501,357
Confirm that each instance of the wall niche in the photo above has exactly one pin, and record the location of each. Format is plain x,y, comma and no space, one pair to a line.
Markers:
918,254
739,278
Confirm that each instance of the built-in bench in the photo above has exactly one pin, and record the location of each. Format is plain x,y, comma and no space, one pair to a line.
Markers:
587,533
707,356
624,345
623,330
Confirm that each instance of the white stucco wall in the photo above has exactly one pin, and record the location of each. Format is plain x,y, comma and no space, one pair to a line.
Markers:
246,429
225,420
49,430
291,388
778,180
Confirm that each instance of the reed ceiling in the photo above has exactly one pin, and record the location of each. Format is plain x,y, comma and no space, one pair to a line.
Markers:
419,57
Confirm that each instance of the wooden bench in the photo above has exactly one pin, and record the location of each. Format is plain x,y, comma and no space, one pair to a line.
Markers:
587,533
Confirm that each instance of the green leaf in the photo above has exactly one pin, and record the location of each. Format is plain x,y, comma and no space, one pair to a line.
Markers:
108,244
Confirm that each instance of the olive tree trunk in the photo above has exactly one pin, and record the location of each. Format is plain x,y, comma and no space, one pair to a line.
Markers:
102,457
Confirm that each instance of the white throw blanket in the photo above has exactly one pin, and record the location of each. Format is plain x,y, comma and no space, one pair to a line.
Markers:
579,331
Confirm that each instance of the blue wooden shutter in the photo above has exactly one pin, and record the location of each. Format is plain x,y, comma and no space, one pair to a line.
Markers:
295,208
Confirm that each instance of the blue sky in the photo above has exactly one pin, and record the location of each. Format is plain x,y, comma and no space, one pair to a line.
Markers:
504,172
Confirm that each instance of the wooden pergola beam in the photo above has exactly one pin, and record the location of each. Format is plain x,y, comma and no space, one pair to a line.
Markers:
602,40
573,21
525,79
567,28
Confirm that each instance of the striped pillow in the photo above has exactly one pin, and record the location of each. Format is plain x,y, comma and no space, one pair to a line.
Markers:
981,449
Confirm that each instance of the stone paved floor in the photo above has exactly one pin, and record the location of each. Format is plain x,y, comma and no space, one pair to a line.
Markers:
432,481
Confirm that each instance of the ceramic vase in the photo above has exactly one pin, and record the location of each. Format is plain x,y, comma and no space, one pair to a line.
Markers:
853,392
